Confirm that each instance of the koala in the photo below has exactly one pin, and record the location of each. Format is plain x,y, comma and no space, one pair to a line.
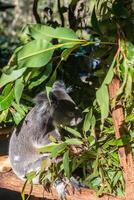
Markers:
35,130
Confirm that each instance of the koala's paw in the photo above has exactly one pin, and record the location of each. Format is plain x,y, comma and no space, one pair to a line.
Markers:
75,184
61,187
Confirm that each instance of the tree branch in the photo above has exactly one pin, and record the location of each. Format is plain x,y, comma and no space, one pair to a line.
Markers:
9,180
35,13
60,13
125,155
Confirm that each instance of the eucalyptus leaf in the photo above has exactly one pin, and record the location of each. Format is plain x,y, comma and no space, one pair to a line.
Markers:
65,34
19,109
18,89
117,178
128,88
125,66
66,164
57,150
7,78
73,141
36,53
6,101
102,97
73,131
30,176
53,148
3,115
16,116
87,121
109,75
39,31
47,148
41,78
7,89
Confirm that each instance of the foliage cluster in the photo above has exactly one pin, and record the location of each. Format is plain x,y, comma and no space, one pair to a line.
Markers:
88,66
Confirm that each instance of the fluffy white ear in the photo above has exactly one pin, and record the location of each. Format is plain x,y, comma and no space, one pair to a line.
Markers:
58,85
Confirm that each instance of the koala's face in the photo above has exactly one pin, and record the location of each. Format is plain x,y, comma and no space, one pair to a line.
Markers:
66,113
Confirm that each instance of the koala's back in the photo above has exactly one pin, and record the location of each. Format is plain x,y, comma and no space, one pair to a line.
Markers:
22,148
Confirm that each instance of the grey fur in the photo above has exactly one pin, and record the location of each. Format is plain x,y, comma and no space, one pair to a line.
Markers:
41,122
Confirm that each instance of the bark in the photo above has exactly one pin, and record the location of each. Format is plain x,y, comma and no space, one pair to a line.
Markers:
9,180
125,155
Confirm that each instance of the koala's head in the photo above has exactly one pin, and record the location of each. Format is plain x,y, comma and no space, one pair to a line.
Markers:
65,111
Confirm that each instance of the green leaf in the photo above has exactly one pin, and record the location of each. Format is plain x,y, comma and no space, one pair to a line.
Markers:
66,164
53,148
130,51
66,35
102,97
73,131
87,121
47,148
3,115
18,89
120,142
15,74
58,149
93,122
38,31
128,88
95,22
45,74
36,53
19,109
6,101
109,75
125,67
7,89
91,140
130,118
73,141
48,90
30,176
123,141
117,178
16,116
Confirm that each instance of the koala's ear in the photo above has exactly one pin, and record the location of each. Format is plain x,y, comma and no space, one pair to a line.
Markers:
40,98
58,85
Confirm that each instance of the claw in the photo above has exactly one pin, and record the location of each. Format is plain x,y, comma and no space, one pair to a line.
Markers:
47,187
75,184
60,186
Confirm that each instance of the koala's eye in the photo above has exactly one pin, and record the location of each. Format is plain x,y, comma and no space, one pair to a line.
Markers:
71,114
